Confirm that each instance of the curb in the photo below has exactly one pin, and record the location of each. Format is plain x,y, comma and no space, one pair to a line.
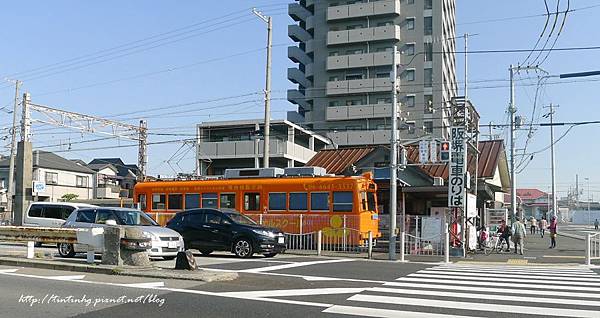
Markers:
200,275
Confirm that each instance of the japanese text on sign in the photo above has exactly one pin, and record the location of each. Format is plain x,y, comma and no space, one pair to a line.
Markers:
457,168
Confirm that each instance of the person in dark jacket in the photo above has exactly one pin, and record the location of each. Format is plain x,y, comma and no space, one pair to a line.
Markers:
505,232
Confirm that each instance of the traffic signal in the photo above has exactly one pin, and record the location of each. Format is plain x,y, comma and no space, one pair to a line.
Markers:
445,151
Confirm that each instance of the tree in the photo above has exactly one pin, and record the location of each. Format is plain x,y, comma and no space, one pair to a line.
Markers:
69,197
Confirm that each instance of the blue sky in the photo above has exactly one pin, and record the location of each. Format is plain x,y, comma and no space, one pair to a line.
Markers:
180,71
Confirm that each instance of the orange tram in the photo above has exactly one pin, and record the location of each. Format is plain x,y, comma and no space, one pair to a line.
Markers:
293,204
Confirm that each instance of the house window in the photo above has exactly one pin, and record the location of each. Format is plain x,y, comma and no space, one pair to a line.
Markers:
252,201
277,201
410,101
428,127
409,49
428,77
410,23
409,75
159,201
428,25
298,201
209,200
319,201
51,178
227,201
81,182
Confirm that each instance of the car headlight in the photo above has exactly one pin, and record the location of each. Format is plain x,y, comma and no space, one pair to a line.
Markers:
265,233
151,236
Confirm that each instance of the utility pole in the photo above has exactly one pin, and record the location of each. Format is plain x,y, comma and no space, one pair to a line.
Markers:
552,161
466,63
394,159
269,21
512,110
142,151
588,202
576,191
13,149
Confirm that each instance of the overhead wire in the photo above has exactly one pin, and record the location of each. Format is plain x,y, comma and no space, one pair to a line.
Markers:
541,34
559,32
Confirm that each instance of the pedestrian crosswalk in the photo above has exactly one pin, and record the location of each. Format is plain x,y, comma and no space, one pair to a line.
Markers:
471,290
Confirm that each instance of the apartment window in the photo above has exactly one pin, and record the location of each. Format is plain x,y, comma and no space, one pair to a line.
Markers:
410,23
409,49
298,201
252,201
386,100
334,78
334,53
355,51
428,52
51,178
428,103
386,23
428,127
227,201
81,182
355,26
410,101
159,201
428,77
319,201
353,102
354,127
409,75
209,200
354,77
428,4
382,75
382,127
334,103
410,1
384,49
428,25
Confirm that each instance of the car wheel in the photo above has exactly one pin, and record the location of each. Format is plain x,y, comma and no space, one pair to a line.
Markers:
206,252
269,255
66,250
169,258
243,248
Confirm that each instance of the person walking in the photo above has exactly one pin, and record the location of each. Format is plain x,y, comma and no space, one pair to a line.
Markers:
596,224
543,226
519,233
553,228
504,232
532,225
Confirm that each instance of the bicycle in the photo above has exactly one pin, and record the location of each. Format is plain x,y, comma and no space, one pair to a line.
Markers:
494,244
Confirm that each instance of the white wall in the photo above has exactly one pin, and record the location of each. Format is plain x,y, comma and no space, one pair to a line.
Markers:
67,181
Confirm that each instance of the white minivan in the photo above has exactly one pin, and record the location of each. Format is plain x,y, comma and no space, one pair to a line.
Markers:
51,214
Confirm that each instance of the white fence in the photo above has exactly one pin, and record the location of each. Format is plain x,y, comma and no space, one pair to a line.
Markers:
342,240
592,248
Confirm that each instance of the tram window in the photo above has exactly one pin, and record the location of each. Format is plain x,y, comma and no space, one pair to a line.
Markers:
299,201
227,201
277,201
342,201
371,200
252,201
319,201
209,200
142,201
363,201
159,201
175,201
192,201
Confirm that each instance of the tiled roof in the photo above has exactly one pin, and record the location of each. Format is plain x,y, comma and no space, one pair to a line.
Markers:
337,161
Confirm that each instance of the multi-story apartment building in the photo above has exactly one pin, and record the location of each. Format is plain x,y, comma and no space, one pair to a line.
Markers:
345,57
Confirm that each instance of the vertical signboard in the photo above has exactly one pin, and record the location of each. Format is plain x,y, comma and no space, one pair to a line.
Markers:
457,168
423,151
433,151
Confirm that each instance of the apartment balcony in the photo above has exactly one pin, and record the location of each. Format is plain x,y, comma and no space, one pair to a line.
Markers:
359,86
357,10
359,112
360,60
298,12
360,137
297,55
245,149
297,76
105,191
298,34
382,33
295,96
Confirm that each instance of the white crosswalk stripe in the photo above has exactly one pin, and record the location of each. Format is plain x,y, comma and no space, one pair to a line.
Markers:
457,290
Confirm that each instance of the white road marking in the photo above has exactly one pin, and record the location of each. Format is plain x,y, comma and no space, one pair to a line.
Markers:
505,271
320,279
524,279
543,311
495,296
497,290
147,285
385,313
503,284
544,269
305,277
68,277
9,270
294,292
293,265
530,275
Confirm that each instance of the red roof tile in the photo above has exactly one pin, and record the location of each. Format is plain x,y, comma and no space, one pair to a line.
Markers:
337,161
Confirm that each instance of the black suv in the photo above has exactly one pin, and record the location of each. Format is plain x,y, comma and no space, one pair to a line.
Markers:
209,230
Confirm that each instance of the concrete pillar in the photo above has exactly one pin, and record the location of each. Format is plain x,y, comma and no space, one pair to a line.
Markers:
291,135
311,143
290,163
24,181
112,246
135,256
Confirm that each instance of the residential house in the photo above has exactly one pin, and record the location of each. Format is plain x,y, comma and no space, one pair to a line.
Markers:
126,174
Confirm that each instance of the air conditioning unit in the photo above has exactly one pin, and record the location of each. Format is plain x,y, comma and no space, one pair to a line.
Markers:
253,173
306,171
437,181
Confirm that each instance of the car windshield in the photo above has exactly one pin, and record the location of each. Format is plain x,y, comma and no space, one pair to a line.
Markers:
240,218
135,218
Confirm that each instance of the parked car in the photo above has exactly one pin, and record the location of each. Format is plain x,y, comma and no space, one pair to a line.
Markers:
209,230
165,242
49,214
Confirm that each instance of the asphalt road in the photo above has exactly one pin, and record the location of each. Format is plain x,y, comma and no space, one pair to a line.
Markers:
293,286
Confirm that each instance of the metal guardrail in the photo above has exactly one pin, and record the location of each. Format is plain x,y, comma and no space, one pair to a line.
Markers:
592,247
342,240
433,245
38,234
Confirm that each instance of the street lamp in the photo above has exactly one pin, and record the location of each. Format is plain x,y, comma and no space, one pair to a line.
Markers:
588,200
